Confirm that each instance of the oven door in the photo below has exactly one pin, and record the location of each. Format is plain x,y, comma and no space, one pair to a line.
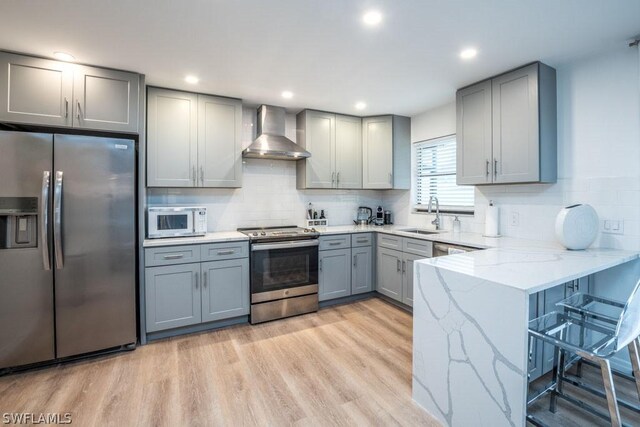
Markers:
283,269
171,223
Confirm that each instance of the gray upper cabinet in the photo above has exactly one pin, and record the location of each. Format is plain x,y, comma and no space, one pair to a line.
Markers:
386,152
348,143
335,144
516,111
219,141
225,289
172,138
316,133
105,99
474,155
334,279
193,140
172,296
53,93
362,270
34,90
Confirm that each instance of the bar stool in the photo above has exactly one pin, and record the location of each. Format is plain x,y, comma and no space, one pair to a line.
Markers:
606,311
590,339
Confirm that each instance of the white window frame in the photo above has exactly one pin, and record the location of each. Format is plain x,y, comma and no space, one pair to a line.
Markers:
416,208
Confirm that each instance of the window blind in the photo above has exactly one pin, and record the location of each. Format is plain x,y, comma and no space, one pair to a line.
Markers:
435,175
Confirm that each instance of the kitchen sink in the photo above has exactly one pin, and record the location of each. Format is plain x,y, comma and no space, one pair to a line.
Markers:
418,231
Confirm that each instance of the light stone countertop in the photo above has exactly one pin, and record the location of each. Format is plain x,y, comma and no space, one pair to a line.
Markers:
217,237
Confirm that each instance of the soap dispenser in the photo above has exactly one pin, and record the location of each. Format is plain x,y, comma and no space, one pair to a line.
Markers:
456,224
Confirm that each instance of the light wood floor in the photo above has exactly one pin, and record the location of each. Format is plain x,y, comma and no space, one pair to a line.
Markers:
345,365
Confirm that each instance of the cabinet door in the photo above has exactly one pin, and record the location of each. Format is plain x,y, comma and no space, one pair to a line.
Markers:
320,140
219,142
377,148
225,289
348,152
105,99
172,145
548,304
172,296
334,279
407,277
390,273
361,270
473,114
516,148
34,90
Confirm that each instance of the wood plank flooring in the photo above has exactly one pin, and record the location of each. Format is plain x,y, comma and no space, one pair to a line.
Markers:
345,365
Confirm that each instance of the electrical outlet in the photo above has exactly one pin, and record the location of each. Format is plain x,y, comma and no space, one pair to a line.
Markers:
515,219
613,226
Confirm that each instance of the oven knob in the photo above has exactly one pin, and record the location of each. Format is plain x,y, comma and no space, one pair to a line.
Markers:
262,233
306,230
255,233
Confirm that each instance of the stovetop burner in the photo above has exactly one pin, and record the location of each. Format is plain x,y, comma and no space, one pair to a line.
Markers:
290,232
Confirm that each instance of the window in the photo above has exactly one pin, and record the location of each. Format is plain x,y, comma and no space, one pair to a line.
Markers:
434,174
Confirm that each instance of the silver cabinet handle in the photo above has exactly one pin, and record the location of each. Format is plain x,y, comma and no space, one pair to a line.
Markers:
78,112
355,260
390,178
333,178
197,280
334,243
226,252
57,220
495,167
204,279
173,256
194,176
531,348
338,180
398,265
488,167
404,267
202,175
44,220
361,240
66,107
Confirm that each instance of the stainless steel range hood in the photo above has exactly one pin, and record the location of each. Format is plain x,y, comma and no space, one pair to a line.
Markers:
271,142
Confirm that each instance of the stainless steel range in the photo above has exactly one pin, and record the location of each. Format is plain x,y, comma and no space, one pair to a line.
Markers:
284,272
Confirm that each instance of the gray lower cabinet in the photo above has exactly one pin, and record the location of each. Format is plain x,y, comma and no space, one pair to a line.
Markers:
390,273
172,296
53,93
361,270
334,273
225,289
407,277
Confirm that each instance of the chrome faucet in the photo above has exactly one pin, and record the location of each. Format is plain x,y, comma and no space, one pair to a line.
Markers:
436,221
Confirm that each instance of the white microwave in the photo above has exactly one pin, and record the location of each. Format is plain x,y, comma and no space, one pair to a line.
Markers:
176,221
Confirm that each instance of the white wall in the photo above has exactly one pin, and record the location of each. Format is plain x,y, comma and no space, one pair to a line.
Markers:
268,196
598,155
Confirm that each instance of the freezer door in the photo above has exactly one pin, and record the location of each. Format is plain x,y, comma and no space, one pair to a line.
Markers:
94,243
26,285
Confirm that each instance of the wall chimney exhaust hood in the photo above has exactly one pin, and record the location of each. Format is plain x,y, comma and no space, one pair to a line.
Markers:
271,142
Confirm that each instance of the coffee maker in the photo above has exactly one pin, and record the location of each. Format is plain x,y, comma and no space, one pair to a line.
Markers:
379,219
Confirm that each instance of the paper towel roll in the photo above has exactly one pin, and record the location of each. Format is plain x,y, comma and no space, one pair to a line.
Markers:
492,221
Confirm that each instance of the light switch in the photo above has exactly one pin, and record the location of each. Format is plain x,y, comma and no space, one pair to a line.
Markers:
613,226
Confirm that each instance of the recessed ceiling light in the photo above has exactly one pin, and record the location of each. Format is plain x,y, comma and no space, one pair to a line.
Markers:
468,53
287,94
191,79
372,17
360,105
63,56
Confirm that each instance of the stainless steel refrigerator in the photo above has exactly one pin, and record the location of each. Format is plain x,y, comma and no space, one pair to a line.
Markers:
67,246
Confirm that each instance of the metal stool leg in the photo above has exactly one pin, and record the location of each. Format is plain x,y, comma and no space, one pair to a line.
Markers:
558,374
634,350
612,403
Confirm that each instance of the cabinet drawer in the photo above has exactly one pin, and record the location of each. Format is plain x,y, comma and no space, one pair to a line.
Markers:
169,255
418,247
227,250
361,239
339,241
389,241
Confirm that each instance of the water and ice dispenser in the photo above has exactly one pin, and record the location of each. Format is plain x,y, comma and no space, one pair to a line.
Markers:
18,222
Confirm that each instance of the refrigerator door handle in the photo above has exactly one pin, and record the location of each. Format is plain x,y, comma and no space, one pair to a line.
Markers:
44,220
57,220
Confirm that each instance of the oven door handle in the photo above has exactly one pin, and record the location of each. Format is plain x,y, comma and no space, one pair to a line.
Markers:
284,245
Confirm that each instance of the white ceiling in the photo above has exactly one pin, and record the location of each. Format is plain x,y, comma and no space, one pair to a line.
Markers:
319,49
